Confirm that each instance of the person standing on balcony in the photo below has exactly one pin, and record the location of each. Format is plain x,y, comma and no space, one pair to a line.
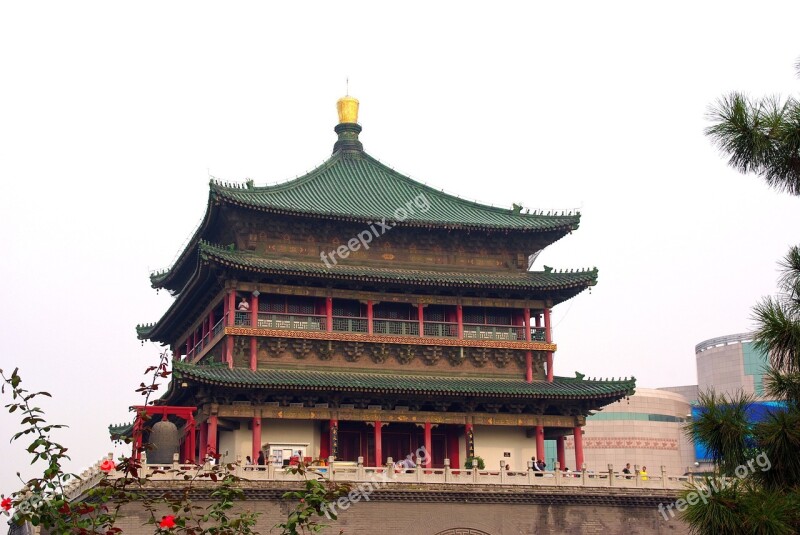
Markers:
260,461
244,306
536,467
627,471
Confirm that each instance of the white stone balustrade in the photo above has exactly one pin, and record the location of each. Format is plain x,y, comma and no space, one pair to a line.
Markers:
357,472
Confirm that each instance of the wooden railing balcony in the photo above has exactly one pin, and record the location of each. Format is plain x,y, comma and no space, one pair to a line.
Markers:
441,329
395,327
380,326
493,332
294,322
350,324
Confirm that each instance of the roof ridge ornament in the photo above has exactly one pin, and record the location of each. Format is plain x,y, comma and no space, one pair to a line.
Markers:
348,127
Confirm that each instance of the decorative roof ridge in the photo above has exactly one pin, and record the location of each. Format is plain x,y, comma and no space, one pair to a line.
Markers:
206,248
514,219
582,377
363,381
549,269
178,366
248,185
516,209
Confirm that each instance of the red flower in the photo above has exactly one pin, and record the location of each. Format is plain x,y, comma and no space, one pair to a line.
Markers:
167,522
107,465
5,504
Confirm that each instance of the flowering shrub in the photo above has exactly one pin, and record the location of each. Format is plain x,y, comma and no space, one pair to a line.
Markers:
43,501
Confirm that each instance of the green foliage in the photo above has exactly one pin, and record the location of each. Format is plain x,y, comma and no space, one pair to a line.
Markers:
760,136
44,503
778,318
312,502
766,500
741,508
723,428
468,464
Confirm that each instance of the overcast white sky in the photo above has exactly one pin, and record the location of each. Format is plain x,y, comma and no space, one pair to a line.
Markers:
113,115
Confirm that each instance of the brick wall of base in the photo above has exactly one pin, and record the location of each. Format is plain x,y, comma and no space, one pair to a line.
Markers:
467,510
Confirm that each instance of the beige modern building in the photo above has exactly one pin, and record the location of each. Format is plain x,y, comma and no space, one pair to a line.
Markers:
730,364
645,429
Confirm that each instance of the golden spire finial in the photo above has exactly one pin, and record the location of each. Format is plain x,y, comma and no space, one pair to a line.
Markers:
347,107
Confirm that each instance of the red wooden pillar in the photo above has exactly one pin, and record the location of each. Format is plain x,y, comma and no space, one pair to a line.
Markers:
253,353
329,314
254,324
428,445
578,447
325,441
190,437
256,447
548,337
203,446
560,454
203,331
211,323
254,308
526,320
460,320
452,446
137,438
378,444
231,301
229,351
540,442
212,435
369,317
421,318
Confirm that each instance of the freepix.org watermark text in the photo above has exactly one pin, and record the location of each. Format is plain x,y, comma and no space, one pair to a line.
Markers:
364,490
703,491
376,229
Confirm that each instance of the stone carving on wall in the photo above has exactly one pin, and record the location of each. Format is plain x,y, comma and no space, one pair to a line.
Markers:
480,356
502,357
431,354
325,350
302,348
269,348
456,356
276,346
353,351
406,354
380,353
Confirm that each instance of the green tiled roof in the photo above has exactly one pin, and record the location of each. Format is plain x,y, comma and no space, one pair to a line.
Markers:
357,186
530,280
383,382
121,430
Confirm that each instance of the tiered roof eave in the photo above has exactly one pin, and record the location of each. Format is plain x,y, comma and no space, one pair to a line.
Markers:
567,282
359,188
383,382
